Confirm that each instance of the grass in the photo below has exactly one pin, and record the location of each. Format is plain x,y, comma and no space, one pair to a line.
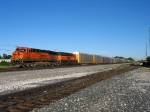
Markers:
145,69
5,66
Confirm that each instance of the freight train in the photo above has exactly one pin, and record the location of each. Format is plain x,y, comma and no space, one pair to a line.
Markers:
29,57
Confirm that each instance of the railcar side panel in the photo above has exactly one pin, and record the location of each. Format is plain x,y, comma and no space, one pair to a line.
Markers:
106,60
114,60
97,59
84,58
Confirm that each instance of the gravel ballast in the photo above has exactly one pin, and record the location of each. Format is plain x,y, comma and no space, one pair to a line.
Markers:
128,92
15,81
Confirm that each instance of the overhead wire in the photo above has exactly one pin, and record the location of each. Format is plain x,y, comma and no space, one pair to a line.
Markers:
5,49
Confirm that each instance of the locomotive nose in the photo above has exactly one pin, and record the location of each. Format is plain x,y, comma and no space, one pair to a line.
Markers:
16,56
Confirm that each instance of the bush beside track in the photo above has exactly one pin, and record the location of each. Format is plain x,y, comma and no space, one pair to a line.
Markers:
4,64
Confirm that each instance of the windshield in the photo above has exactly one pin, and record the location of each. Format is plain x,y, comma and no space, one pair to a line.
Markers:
22,50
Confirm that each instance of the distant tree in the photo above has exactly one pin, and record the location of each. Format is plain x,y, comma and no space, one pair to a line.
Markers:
131,59
120,57
5,56
148,58
9,56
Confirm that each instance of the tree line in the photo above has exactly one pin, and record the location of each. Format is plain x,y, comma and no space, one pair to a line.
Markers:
148,59
5,56
120,57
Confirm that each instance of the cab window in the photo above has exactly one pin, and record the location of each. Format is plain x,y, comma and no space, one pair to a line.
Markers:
22,50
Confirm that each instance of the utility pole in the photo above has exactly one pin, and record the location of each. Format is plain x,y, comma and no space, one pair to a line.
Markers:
149,36
148,45
146,51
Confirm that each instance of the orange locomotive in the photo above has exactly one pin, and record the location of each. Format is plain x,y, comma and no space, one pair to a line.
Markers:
24,56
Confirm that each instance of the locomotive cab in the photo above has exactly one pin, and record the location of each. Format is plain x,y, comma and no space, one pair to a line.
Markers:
18,56
19,53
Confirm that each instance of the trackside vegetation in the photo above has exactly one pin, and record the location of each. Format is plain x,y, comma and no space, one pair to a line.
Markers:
4,64
120,57
148,58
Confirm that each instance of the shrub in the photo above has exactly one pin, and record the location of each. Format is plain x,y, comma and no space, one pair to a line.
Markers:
5,63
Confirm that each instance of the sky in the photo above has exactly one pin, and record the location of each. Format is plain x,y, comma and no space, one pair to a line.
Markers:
103,27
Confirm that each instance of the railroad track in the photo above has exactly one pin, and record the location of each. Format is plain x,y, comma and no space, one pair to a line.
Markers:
33,68
11,69
36,97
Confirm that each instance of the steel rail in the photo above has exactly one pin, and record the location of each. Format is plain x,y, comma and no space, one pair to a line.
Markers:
29,99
